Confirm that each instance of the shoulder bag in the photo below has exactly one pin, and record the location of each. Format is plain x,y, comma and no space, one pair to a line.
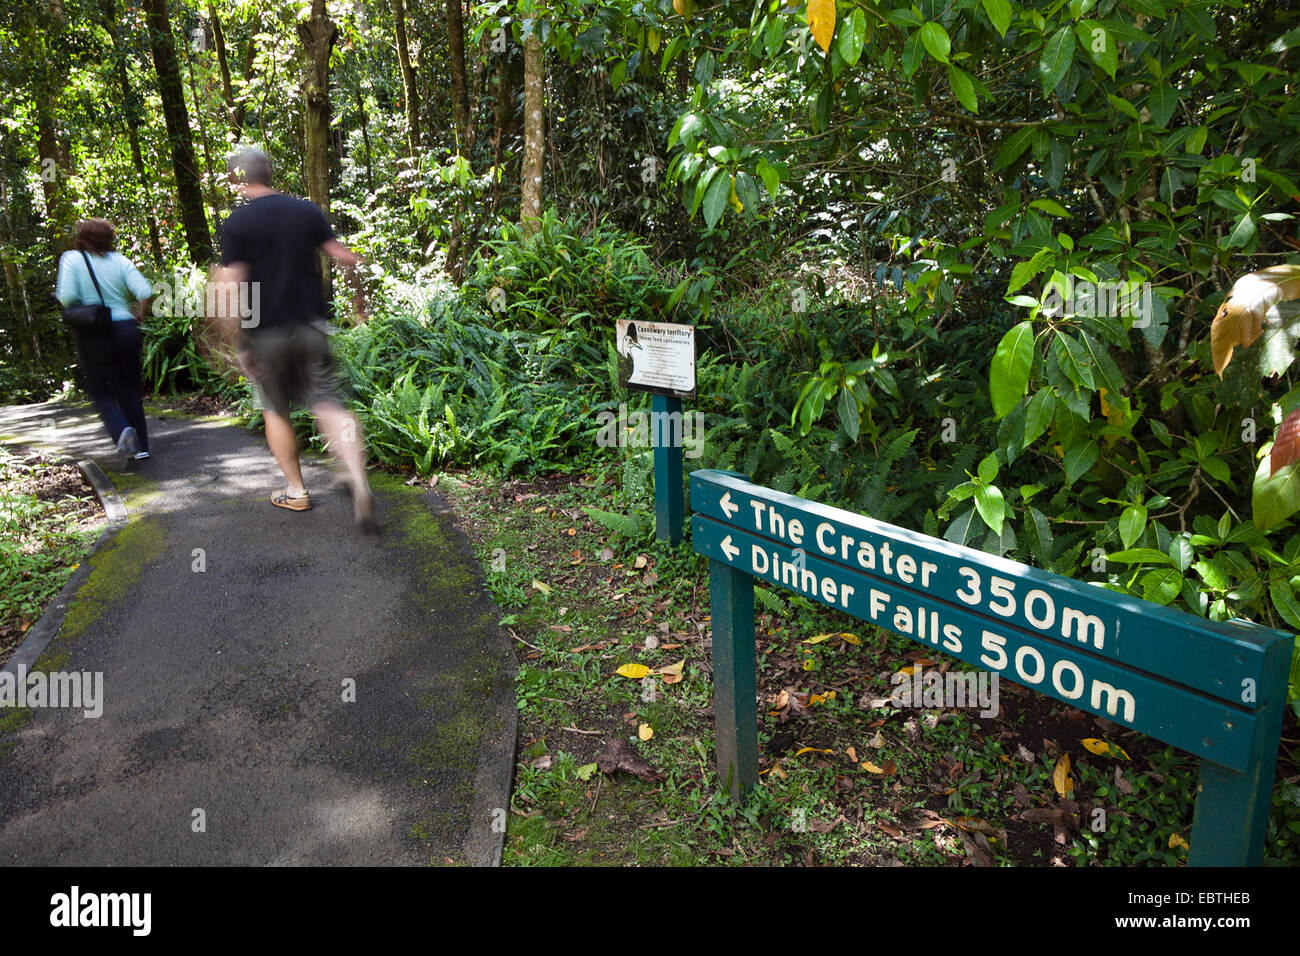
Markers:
88,318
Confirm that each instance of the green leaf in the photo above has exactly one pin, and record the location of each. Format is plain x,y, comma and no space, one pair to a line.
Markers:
1161,585
1100,44
1274,498
1055,62
1009,373
853,33
1014,145
1162,101
848,407
988,468
913,53
1131,524
1212,574
991,506
1140,556
963,88
935,40
1038,534
1242,233
1181,553
1284,602
1074,361
1038,415
715,199
1050,206
999,12
1079,458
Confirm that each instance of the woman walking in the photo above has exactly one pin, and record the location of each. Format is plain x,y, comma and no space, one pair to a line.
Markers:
110,358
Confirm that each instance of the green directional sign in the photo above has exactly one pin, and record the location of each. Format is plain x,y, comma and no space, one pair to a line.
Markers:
1213,689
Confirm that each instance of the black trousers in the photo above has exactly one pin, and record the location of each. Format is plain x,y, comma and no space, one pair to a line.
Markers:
110,363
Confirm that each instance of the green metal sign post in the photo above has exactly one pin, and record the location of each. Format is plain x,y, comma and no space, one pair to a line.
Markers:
666,416
1215,690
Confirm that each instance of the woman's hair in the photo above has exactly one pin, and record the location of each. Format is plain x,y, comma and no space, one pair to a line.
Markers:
95,235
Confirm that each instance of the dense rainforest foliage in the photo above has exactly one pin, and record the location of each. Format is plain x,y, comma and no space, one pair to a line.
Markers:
953,263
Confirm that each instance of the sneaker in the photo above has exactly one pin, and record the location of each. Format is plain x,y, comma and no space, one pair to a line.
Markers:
141,455
128,444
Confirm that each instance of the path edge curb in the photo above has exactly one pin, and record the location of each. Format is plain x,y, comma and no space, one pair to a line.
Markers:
45,630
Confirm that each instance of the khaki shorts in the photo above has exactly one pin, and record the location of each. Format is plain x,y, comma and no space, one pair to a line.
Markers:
290,364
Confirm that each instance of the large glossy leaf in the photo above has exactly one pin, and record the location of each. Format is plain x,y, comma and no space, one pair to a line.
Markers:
935,40
999,12
1009,373
1079,458
1274,498
1055,62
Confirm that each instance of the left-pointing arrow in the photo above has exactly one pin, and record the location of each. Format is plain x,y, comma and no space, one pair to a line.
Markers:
729,549
728,508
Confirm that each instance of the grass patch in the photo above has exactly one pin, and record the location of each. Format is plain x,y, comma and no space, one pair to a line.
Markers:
847,777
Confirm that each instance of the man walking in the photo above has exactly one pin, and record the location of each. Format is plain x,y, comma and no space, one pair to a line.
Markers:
271,242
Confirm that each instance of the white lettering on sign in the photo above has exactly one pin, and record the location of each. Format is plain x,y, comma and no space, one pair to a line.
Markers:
797,577
1066,678
983,591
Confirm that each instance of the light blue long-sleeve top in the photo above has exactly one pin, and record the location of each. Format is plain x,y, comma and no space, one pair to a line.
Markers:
117,277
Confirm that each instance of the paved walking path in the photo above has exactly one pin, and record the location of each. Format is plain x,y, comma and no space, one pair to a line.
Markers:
226,736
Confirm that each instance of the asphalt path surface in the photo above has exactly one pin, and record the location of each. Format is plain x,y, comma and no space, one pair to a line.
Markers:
277,687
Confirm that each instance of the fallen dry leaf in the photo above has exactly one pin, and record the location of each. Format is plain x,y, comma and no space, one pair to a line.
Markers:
1061,778
619,755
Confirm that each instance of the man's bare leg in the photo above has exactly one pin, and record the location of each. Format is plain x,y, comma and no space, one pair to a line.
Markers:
343,433
284,446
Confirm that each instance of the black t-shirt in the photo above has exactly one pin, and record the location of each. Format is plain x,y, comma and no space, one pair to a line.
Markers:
277,236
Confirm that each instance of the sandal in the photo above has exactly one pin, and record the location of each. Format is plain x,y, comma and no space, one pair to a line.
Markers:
300,502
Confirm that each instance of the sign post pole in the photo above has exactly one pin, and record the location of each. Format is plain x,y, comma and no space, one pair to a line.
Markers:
669,508
1231,815
735,677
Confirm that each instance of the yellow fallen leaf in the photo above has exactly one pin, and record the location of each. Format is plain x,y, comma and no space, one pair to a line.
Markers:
812,750
868,765
1104,748
1176,839
1061,778
539,510
539,586
633,671
645,732
673,669
821,698
842,635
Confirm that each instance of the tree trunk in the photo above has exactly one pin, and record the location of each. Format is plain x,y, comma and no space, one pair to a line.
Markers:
530,185
459,88
410,96
213,202
318,35
223,63
188,188
250,58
